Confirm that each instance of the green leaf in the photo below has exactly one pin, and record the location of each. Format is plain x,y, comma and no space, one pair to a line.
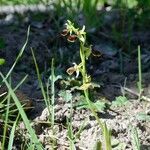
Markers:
143,116
56,78
135,139
107,137
2,61
90,85
2,105
70,135
66,95
119,101
87,51
82,104
85,86
121,146
99,106
94,85
98,145
117,145
81,38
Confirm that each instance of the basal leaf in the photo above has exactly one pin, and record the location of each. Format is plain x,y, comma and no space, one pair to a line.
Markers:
66,95
143,116
119,101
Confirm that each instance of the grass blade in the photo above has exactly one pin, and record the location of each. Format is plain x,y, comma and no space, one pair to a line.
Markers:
6,121
12,134
34,138
52,92
39,77
135,139
19,55
139,73
107,137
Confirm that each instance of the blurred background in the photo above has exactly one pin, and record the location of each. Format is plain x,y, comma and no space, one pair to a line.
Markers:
114,27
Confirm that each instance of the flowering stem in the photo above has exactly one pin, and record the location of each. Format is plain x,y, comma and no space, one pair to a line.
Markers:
86,94
84,78
92,109
82,55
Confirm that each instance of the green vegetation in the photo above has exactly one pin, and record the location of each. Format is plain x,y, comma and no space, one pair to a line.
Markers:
2,61
17,2
73,34
94,14
33,137
140,89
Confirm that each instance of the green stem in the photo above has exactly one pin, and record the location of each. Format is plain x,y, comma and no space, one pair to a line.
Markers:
53,101
52,92
84,74
86,93
92,109
140,72
84,78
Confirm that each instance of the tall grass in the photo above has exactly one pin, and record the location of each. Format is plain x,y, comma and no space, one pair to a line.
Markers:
33,138
49,97
6,122
41,85
19,55
12,134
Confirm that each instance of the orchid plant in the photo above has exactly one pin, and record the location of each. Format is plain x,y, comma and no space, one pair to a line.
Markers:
72,35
